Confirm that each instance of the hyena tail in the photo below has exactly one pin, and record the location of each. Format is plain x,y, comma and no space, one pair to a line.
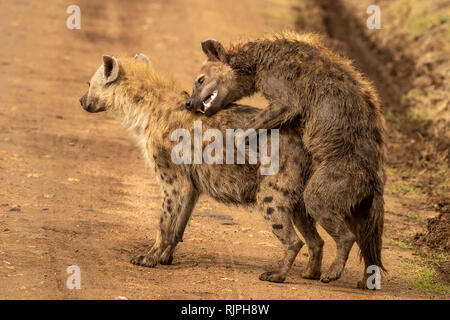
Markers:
370,230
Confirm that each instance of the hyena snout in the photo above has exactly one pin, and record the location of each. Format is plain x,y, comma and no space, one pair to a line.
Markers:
83,102
189,104
91,106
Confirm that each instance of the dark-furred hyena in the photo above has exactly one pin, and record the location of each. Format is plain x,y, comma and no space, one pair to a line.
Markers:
152,108
337,114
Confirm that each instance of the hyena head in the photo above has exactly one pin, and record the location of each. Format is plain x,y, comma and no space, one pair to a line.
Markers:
99,95
217,84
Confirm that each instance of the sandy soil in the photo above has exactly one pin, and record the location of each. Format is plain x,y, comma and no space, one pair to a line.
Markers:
75,190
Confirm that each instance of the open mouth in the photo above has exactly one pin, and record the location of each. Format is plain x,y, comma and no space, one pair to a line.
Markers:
208,101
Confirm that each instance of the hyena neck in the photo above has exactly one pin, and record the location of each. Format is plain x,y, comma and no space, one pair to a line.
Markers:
133,116
242,58
243,61
254,60
142,106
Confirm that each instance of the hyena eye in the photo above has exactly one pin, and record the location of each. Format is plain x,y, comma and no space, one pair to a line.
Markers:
89,83
201,80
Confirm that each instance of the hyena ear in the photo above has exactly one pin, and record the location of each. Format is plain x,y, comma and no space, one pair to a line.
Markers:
214,50
110,68
142,57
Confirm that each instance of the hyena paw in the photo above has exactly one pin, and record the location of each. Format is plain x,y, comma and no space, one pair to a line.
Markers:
166,260
362,284
144,261
330,275
167,255
272,277
311,274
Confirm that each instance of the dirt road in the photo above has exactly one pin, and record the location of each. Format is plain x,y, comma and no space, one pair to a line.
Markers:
75,190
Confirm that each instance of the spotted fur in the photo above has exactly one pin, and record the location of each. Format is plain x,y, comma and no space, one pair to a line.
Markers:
336,112
155,115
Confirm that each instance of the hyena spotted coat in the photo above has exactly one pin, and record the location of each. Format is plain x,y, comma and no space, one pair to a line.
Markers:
151,107
337,114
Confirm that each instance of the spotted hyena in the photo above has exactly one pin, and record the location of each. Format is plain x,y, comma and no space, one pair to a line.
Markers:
337,114
152,108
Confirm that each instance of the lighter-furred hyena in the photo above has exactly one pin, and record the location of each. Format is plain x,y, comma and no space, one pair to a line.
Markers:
338,116
151,107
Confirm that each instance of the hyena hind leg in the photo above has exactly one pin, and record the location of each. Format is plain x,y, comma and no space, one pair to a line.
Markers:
280,221
344,239
306,225
332,221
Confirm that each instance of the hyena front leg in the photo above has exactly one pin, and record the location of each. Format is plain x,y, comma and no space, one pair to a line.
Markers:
280,220
176,210
273,116
176,230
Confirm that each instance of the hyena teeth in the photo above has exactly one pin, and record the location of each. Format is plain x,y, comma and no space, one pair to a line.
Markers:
209,100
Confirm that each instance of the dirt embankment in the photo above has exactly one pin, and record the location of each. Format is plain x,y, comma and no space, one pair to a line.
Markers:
415,46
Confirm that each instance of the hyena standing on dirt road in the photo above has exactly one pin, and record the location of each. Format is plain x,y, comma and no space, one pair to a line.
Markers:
152,108
337,114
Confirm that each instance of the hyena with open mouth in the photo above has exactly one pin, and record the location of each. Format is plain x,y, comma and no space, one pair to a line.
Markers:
339,119
151,107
